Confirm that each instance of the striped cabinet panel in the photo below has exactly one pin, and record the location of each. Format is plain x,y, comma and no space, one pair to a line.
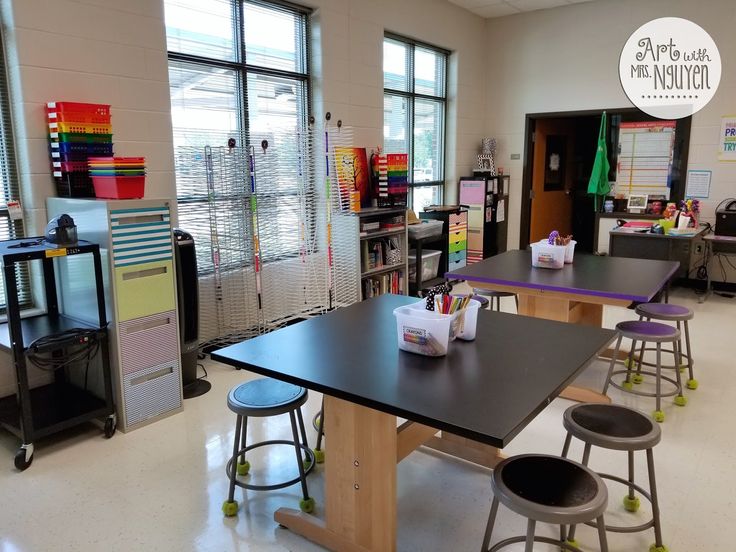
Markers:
140,235
151,392
148,341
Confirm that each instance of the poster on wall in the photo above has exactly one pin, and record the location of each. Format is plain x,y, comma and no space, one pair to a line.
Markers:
645,151
727,139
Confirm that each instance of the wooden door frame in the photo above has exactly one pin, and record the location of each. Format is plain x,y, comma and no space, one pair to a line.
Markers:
679,162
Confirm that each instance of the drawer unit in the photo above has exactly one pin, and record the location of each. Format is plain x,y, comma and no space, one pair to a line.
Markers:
460,235
458,218
456,265
457,256
148,341
151,392
140,235
144,289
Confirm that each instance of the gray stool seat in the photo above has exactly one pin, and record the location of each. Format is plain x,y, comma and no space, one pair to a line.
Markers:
493,295
262,398
265,397
621,428
546,489
664,311
482,300
611,426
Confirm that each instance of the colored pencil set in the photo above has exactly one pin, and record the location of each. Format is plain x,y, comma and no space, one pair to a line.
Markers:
448,304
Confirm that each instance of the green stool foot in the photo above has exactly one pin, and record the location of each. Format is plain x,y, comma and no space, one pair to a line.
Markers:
230,509
631,504
306,505
680,400
627,385
306,464
692,384
655,548
319,456
637,378
683,367
658,416
573,542
243,468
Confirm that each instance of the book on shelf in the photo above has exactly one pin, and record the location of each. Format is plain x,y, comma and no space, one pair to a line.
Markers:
392,282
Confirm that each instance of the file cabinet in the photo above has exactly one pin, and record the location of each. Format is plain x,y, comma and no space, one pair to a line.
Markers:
140,289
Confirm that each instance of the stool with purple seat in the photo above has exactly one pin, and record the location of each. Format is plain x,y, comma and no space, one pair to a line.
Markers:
669,312
648,332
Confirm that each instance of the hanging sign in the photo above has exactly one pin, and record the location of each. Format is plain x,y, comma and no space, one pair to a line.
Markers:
670,68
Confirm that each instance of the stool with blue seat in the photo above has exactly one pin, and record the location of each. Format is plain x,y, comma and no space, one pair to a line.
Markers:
647,332
669,312
266,397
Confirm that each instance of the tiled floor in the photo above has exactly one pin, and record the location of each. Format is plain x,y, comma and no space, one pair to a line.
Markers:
161,487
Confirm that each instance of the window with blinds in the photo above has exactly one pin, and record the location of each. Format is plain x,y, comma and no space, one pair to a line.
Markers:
237,69
9,229
414,106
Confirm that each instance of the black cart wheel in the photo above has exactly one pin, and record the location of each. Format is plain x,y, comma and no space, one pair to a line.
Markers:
110,427
20,459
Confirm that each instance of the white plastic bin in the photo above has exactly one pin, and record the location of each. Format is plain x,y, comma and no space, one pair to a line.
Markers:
570,251
467,321
425,229
545,255
430,264
421,331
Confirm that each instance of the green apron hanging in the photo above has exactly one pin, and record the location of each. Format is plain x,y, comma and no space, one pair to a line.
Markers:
598,184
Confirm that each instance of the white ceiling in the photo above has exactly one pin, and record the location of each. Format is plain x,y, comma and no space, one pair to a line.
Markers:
500,8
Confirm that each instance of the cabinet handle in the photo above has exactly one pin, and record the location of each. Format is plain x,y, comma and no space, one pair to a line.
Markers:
147,325
152,376
145,273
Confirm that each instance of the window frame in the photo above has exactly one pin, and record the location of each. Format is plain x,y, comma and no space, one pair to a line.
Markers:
411,96
242,70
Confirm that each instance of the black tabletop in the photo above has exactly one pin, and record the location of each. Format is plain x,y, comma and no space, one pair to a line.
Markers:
38,248
486,390
600,276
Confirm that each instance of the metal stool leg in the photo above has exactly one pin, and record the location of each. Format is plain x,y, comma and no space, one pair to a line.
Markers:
631,501
655,499
489,526
297,449
303,431
630,364
602,534
680,399
243,434
516,300
659,378
232,474
613,363
566,446
692,382
586,459
638,378
530,526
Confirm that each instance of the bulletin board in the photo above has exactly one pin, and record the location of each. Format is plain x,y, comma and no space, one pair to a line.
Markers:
645,155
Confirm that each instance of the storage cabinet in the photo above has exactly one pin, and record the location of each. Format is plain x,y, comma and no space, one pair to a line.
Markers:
454,240
487,200
135,238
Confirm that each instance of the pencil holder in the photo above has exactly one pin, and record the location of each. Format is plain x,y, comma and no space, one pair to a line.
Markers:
467,320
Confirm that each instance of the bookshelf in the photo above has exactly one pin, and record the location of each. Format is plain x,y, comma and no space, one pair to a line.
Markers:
383,246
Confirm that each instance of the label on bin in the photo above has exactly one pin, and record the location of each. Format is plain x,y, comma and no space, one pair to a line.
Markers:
416,335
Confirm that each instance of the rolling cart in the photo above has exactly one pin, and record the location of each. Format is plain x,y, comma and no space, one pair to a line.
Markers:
57,339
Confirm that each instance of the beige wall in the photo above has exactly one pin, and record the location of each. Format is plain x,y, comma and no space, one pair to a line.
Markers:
348,56
566,59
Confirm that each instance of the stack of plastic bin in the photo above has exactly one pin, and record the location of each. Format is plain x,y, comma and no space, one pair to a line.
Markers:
77,131
118,177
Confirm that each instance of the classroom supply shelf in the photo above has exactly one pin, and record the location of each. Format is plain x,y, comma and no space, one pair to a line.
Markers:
34,413
381,233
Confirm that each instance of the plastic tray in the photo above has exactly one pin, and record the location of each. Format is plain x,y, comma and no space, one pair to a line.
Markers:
69,166
427,229
430,264
119,187
77,107
79,137
74,184
80,128
78,151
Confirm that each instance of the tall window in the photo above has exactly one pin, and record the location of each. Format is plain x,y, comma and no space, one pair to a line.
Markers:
237,68
414,105
9,229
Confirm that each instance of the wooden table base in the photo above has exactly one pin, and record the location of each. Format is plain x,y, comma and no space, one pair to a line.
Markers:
360,476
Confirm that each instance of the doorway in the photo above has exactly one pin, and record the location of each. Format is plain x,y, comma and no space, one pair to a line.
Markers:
559,154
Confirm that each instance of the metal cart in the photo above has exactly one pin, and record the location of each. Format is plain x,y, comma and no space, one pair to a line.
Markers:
35,413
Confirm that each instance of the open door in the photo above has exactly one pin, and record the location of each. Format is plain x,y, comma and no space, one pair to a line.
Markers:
552,178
